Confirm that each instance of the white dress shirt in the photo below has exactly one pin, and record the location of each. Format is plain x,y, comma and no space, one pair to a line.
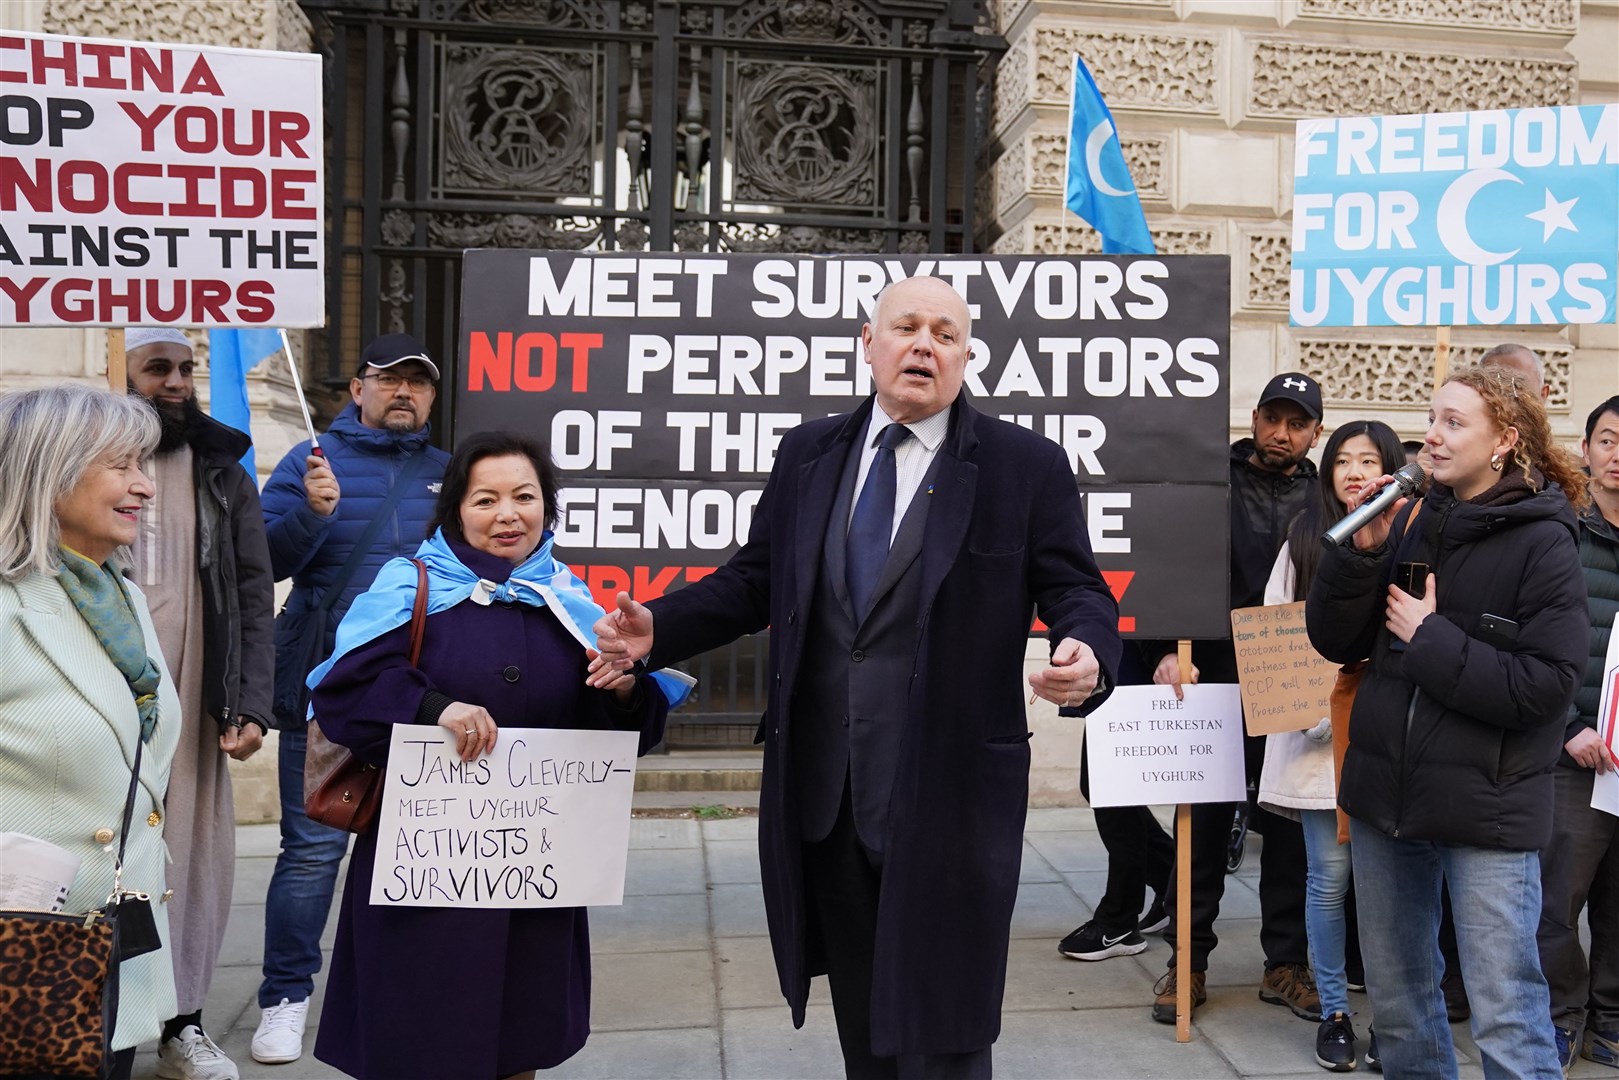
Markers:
912,458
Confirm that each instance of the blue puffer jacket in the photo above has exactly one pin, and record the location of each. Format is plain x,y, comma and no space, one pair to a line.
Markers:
312,549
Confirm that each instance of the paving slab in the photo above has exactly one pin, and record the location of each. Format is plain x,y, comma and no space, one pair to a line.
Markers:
663,872
645,991
746,971
1038,977
692,1054
763,1043
1034,868
664,833
651,924
732,862
1107,1044
739,910
1069,851
1047,911
745,827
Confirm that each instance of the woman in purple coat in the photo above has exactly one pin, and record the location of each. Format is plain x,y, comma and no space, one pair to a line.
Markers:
475,993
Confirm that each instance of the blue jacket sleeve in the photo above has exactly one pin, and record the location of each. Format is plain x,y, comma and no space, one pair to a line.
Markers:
295,532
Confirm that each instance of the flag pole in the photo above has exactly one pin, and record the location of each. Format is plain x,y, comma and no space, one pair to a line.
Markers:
298,388
117,364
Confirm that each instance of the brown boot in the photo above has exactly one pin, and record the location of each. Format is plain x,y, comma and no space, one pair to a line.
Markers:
1292,985
1163,1006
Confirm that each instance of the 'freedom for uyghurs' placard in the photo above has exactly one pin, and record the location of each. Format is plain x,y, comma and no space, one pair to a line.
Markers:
542,820
1508,216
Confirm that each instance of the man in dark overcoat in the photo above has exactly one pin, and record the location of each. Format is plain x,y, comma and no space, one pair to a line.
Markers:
897,554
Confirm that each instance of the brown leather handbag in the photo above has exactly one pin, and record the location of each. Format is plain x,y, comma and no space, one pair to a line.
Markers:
340,790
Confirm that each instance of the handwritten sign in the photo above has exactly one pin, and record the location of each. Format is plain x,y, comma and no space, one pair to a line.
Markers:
1605,788
1146,747
541,821
1286,684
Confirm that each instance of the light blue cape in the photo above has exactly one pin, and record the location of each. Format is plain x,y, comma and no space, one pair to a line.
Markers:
541,581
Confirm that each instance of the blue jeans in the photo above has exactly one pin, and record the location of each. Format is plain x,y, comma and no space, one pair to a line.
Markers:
1495,897
1326,885
300,895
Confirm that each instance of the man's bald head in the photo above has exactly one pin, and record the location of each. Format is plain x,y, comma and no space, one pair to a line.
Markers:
1523,360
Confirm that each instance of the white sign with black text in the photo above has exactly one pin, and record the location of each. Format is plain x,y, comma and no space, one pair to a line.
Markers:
1148,748
543,820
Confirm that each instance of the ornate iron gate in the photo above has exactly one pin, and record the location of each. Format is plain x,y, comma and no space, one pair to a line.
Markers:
819,126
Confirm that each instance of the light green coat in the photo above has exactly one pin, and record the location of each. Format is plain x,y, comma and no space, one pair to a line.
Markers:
68,730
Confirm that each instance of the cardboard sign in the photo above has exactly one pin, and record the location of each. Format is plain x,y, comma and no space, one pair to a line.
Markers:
665,383
1147,748
1286,684
1457,219
152,184
541,821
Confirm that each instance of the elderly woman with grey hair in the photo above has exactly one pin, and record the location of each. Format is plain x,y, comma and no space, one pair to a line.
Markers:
83,684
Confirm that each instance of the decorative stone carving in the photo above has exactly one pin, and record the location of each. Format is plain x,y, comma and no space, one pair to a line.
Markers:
1396,373
397,228
806,134
1558,16
1078,238
1136,70
292,29
1270,265
821,22
813,240
245,25
1011,178
516,119
457,230
1011,79
1297,80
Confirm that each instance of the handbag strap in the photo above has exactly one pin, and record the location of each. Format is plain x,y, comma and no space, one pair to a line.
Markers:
129,815
418,613
373,529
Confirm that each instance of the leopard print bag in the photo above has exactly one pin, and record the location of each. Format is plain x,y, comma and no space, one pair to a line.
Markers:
58,994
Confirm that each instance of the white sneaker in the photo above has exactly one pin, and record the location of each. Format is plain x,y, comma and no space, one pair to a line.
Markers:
280,1037
191,1055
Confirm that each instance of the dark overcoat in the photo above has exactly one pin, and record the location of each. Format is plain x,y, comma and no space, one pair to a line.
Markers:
1005,536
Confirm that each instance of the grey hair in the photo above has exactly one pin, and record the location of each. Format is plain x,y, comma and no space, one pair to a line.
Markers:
48,438
1510,349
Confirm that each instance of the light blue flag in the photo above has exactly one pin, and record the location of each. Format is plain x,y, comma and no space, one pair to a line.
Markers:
231,355
1099,187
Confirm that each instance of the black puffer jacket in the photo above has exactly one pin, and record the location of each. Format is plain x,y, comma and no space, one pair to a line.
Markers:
1453,737
1599,554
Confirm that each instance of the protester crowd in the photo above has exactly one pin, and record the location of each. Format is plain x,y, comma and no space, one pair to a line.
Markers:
1431,844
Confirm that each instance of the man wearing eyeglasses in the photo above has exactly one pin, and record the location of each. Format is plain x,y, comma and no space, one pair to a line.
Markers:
333,517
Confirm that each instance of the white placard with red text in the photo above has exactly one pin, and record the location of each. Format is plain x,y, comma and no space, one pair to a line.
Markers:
1605,789
156,184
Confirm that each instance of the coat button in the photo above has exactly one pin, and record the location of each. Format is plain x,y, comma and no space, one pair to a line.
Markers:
154,819
857,656
103,836
511,673
792,616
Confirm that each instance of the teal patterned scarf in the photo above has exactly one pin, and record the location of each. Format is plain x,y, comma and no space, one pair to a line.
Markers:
99,594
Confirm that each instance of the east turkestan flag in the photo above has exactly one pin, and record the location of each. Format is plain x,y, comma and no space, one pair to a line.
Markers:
1099,187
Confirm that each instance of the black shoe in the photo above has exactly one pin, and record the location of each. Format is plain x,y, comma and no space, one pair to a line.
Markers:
1091,942
1155,919
1335,1044
1238,840
1455,990
1373,1062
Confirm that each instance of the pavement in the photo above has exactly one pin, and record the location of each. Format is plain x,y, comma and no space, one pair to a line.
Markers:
685,987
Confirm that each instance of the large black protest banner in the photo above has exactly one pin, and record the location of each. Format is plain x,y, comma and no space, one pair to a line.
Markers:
664,383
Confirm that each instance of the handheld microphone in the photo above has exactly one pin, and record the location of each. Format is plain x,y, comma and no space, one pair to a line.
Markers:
1406,482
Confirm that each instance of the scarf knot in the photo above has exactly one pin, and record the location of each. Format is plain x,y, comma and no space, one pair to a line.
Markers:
101,598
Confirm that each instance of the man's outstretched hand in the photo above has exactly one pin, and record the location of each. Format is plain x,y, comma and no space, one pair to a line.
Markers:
623,636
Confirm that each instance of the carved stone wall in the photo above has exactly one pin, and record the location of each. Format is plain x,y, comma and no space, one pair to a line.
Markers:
1552,16
245,24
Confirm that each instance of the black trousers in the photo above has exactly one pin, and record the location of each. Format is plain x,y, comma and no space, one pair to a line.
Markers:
1282,871
1580,865
844,879
1140,856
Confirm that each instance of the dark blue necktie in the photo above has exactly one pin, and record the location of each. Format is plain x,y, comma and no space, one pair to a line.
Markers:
872,525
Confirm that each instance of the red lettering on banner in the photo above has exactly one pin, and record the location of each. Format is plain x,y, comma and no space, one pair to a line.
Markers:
287,131
1117,582
146,122
201,80
500,362
484,360
285,200
606,582
106,301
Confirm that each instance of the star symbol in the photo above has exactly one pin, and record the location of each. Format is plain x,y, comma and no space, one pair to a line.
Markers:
1554,216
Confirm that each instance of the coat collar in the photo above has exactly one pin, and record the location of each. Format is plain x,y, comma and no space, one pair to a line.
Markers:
50,620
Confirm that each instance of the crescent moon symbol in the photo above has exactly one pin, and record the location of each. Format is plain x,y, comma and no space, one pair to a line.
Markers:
1094,142
1451,220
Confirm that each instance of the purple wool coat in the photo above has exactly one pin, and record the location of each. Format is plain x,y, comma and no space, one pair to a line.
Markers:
446,993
